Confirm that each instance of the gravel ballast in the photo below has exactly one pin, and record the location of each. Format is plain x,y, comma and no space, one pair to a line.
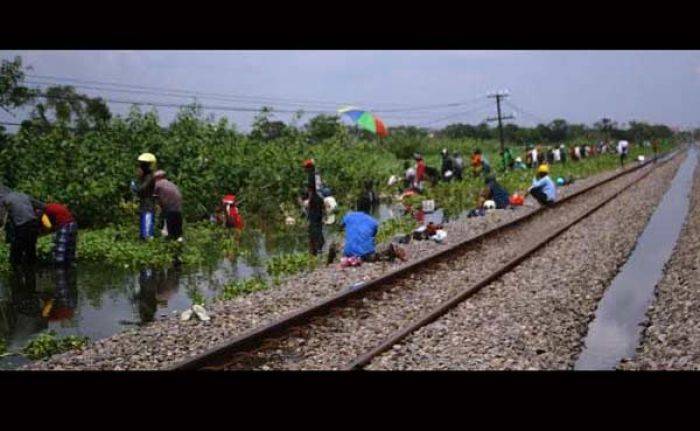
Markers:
535,316
333,340
671,341
162,343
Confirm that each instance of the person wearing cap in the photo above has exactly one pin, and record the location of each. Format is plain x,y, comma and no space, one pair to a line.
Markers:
65,228
227,213
23,222
518,164
543,188
495,192
144,190
315,211
360,236
169,200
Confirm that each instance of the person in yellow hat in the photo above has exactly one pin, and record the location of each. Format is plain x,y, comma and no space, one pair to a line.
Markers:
543,188
145,191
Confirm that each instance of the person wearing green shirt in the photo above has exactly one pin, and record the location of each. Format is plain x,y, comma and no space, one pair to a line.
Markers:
507,159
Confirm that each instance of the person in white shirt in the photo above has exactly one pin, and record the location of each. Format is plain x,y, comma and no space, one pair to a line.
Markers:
557,155
622,149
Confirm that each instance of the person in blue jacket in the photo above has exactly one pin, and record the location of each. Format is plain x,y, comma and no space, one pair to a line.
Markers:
543,188
360,233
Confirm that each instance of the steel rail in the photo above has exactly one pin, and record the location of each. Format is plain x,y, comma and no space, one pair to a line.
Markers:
255,335
464,294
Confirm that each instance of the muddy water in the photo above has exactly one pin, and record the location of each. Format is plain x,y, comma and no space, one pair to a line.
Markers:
98,301
614,332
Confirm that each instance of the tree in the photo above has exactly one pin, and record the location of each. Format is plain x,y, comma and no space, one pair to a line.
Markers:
323,127
12,93
69,107
558,130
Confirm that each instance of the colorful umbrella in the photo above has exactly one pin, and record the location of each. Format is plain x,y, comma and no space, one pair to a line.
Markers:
366,120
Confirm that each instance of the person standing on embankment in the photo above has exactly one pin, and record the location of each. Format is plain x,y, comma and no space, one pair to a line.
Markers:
622,149
314,210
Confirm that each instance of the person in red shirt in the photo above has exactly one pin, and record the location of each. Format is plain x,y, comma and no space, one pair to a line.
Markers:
228,214
65,228
420,173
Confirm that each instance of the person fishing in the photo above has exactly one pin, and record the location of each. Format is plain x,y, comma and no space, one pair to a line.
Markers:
22,224
420,173
476,163
409,175
227,213
144,191
61,222
447,167
507,159
543,188
313,202
169,199
360,236
494,191
458,165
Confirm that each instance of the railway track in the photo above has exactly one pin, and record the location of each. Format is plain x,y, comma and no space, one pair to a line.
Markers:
348,329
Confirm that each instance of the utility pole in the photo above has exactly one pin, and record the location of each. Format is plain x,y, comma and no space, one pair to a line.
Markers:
498,96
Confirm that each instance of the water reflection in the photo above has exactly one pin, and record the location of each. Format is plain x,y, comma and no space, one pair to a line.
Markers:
29,307
98,301
156,287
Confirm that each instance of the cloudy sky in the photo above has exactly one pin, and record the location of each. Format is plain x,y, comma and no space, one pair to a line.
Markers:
580,86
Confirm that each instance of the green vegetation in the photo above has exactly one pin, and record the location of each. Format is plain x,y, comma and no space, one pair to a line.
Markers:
73,150
46,344
287,264
392,227
240,287
3,347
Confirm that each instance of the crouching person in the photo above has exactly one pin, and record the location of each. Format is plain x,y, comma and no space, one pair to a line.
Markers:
360,233
169,200
543,188
495,192
58,219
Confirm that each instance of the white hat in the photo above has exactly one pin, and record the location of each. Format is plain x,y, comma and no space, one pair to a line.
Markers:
490,205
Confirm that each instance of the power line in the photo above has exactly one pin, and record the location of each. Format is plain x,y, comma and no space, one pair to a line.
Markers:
177,105
462,113
141,89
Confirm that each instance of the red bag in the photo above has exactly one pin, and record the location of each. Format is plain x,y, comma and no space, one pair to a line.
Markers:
516,200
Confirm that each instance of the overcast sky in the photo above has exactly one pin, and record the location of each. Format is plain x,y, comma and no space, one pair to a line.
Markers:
579,86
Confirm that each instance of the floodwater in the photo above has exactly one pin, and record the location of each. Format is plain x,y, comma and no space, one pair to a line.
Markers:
615,331
98,301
